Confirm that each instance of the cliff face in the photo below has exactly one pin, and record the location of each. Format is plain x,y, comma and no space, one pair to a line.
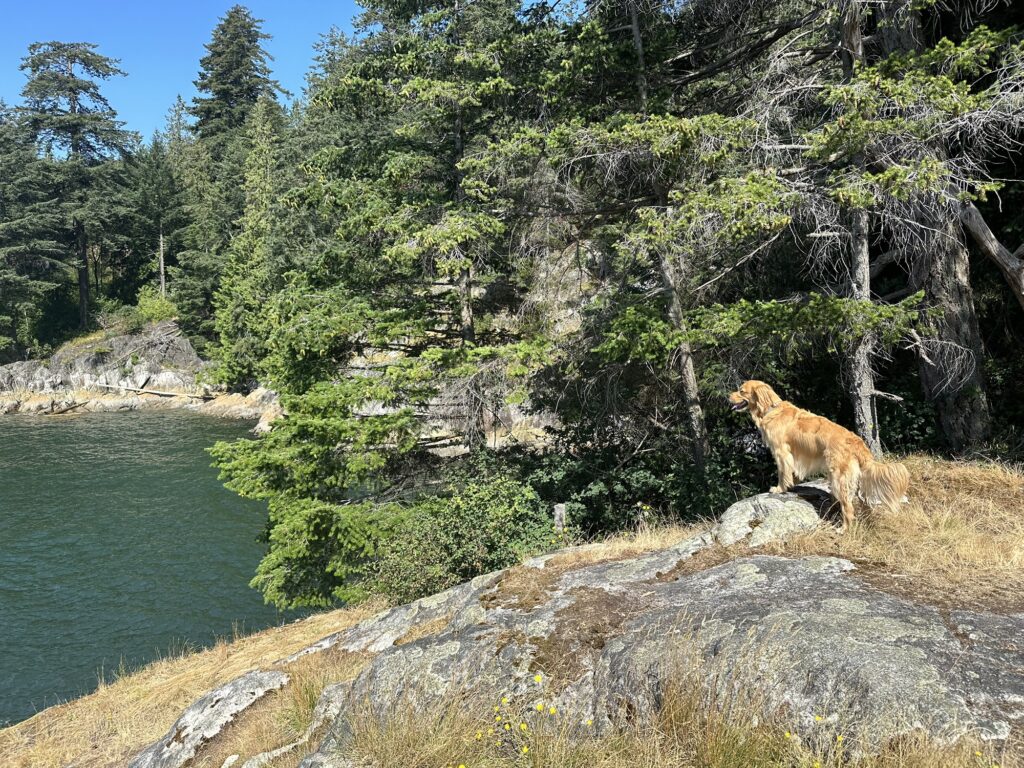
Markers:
156,368
810,637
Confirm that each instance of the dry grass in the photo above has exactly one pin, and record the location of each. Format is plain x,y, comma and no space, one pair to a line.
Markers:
524,587
690,729
283,717
119,718
959,540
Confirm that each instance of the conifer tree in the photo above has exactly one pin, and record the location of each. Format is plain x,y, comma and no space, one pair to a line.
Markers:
72,122
31,254
241,303
234,74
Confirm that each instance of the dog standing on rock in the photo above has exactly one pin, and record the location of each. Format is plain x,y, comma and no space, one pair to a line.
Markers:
805,444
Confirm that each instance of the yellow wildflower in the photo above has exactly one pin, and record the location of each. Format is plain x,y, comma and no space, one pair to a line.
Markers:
552,711
540,707
508,727
525,750
590,722
818,718
789,735
538,678
504,700
522,726
839,737
497,718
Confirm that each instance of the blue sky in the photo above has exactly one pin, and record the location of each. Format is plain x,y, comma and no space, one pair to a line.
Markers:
160,43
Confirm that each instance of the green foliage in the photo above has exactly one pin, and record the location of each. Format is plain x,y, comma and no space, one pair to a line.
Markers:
478,527
152,307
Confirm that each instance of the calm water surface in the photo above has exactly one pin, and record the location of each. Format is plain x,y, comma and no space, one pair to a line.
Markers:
117,543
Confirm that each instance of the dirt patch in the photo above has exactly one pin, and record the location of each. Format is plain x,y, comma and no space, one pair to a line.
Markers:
425,629
706,558
995,598
581,631
524,588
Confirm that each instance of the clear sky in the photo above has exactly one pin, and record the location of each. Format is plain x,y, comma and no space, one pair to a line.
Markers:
159,43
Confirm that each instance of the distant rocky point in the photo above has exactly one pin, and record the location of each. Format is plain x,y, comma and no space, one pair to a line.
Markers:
154,369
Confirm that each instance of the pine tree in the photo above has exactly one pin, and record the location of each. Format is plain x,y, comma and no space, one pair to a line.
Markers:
234,74
30,250
72,122
240,304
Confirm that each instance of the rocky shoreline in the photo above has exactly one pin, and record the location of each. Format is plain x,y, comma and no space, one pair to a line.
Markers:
157,369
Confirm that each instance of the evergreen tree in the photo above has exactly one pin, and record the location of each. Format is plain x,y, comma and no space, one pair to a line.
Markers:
234,74
30,250
247,284
73,123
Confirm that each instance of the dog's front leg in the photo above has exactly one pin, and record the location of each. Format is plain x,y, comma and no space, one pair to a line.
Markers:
784,462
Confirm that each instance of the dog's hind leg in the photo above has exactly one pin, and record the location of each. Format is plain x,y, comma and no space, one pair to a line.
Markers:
843,486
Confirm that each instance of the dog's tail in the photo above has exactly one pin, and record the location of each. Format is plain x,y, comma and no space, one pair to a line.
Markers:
884,484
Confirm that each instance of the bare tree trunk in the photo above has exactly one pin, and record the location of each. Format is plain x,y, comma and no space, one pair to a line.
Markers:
858,365
687,375
163,277
861,379
638,47
950,369
83,274
1010,264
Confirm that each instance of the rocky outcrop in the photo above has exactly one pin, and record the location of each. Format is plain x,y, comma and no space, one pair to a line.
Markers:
809,635
206,718
154,369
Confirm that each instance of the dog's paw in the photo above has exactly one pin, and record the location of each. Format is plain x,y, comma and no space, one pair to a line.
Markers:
776,489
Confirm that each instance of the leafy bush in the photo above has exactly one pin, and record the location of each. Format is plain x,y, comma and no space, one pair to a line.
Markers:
446,540
152,307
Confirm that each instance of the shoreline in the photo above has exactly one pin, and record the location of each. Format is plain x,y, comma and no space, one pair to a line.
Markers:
260,405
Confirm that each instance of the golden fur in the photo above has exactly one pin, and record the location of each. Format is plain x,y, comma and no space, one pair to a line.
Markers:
805,444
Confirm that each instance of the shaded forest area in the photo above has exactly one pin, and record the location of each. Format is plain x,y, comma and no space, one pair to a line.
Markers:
498,257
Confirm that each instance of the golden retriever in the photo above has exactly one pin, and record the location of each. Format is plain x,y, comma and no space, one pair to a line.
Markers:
805,444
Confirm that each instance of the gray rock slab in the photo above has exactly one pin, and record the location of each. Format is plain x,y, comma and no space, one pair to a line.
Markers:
207,717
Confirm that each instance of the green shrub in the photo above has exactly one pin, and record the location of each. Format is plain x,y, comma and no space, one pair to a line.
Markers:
481,526
152,307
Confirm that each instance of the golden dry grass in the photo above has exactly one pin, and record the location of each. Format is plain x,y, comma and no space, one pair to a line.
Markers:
690,729
283,717
119,718
960,538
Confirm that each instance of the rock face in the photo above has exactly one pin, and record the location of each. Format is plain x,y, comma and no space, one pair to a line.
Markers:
104,375
809,635
206,718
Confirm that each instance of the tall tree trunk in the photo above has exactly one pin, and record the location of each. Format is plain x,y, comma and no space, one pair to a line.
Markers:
468,331
860,378
83,274
858,365
687,374
941,270
163,276
638,48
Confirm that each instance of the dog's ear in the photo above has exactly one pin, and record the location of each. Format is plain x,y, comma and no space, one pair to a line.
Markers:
764,397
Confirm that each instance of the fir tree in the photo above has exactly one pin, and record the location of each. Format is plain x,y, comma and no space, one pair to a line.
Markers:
234,74
73,123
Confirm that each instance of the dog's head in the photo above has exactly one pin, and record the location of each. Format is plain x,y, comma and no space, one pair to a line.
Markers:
754,396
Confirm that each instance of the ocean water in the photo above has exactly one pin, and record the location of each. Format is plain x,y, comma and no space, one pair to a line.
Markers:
118,545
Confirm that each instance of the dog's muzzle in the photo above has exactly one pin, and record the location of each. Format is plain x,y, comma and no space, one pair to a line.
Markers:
740,406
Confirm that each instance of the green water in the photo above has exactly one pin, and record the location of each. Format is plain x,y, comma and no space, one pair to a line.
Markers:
117,544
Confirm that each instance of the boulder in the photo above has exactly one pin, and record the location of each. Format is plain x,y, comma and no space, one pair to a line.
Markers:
808,636
206,718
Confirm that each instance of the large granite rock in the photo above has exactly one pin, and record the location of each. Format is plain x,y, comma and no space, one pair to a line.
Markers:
206,718
808,635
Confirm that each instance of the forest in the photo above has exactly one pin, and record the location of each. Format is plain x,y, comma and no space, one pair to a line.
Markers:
498,257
